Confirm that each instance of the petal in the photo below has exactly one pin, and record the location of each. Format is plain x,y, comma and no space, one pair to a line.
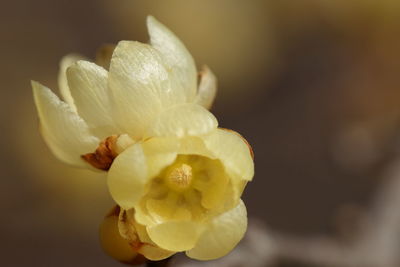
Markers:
207,88
66,134
127,177
160,152
137,236
176,56
217,187
183,120
155,253
222,234
88,86
141,86
175,236
149,249
233,151
65,62
194,145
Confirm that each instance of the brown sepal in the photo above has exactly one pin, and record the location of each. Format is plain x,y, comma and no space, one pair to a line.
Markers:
104,155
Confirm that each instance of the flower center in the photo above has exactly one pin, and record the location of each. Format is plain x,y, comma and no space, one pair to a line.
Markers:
179,177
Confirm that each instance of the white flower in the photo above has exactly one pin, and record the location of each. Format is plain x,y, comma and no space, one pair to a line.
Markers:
176,176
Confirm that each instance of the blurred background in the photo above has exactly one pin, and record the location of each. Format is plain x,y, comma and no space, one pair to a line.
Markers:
314,86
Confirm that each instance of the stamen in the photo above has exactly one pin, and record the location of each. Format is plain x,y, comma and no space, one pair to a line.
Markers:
180,177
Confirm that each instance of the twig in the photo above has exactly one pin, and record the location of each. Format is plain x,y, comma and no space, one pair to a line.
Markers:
161,263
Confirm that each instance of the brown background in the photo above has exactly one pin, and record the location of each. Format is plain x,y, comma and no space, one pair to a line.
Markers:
313,85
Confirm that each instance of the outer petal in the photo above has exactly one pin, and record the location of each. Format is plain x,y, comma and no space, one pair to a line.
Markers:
176,56
222,234
141,86
66,134
65,62
127,177
175,236
183,120
207,88
233,151
88,86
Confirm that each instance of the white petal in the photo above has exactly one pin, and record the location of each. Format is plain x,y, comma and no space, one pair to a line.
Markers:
88,85
127,177
233,151
175,236
176,56
207,88
65,62
66,134
141,86
222,234
183,120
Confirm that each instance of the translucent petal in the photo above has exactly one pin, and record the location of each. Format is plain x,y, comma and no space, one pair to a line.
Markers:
214,194
141,86
65,62
176,56
222,234
136,234
175,236
155,253
207,88
183,120
66,134
160,152
127,177
88,86
233,151
194,145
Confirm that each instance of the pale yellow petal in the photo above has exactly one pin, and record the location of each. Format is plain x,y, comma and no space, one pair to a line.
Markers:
160,152
155,253
88,86
176,56
195,146
222,234
183,120
141,86
65,62
233,151
148,248
207,88
127,177
137,236
175,236
66,134
214,194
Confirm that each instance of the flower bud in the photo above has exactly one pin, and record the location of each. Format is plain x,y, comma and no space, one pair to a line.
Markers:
114,244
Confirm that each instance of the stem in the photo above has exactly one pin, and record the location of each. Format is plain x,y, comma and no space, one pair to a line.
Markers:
161,263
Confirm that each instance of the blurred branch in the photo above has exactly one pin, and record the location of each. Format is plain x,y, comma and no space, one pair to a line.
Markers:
375,245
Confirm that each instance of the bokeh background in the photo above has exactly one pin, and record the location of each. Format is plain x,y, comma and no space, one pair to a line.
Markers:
314,85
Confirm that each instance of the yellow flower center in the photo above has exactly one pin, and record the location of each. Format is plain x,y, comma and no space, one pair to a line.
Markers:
191,188
179,176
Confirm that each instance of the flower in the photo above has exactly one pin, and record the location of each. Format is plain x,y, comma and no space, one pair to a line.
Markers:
142,117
